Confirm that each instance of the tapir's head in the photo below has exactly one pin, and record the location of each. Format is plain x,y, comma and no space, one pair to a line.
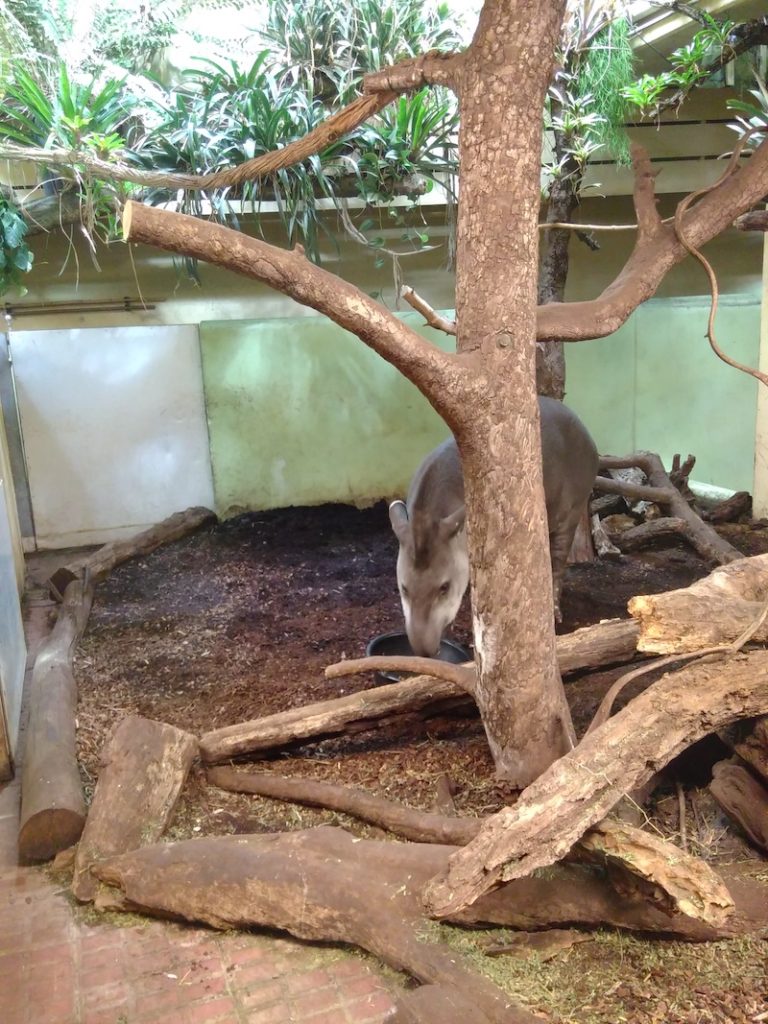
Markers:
432,574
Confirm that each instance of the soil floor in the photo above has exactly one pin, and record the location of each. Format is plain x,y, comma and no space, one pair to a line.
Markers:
239,621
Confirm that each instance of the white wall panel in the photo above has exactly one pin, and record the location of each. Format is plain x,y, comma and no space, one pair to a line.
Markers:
114,429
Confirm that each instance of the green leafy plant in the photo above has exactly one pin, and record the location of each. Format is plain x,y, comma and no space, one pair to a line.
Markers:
753,116
15,256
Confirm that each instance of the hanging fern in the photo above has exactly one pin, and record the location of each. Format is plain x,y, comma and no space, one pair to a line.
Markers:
605,71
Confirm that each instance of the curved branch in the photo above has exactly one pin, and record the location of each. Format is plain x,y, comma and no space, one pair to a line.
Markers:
432,68
464,676
657,250
439,375
326,133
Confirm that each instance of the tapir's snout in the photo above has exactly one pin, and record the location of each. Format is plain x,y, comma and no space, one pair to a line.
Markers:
424,638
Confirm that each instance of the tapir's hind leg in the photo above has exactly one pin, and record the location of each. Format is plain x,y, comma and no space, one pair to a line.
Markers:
559,548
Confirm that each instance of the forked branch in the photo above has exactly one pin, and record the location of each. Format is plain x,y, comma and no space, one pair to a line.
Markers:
657,250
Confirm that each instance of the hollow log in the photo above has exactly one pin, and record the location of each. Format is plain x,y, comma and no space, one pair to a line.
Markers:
580,789
603,644
712,611
661,490
743,799
677,882
100,563
300,882
52,803
144,767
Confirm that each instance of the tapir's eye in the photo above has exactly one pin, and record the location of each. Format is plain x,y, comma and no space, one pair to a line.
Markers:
445,588
404,591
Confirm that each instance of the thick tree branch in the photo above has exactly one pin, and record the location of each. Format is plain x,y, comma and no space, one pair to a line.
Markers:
578,790
438,374
432,68
657,250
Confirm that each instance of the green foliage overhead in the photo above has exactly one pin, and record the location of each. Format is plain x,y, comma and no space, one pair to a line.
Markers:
606,70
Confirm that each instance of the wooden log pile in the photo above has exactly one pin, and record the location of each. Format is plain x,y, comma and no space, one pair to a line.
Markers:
601,870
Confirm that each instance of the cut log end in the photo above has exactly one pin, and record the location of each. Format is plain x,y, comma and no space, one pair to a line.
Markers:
47,832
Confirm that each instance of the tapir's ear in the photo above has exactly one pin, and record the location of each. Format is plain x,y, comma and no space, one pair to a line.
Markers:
398,516
450,525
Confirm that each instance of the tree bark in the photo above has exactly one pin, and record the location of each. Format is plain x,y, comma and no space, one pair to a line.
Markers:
145,765
580,789
604,644
749,740
99,564
52,803
712,611
519,691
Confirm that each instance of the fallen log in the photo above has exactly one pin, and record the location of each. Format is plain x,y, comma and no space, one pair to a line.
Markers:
606,643
743,799
603,544
52,802
145,765
300,882
677,882
662,491
713,611
580,789
737,505
638,536
100,563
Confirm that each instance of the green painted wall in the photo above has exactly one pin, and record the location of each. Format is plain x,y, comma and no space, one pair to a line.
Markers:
657,385
301,412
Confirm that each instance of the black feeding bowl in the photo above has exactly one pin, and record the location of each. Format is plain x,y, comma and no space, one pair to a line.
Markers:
397,643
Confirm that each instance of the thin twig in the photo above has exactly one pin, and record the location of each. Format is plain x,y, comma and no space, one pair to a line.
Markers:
681,815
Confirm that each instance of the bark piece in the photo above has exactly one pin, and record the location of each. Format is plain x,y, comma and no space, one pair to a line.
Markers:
661,490
145,765
604,644
677,882
300,882
743,799
99,564
712,611
580,789
52,803
670,877
604,546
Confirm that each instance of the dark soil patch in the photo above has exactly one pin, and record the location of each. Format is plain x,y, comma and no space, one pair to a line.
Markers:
239,621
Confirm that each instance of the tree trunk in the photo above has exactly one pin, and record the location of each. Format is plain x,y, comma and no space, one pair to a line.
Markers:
553,275
519,692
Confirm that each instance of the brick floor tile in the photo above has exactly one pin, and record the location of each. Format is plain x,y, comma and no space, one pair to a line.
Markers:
323,999
222,1009
310,980
161,1001
211,986
337,1016
256,996
246,974
371,1008
270,1015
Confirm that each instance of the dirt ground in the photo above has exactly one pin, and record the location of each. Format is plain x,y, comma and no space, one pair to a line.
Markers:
239,621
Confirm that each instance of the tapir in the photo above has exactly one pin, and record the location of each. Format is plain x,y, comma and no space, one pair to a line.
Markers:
433,563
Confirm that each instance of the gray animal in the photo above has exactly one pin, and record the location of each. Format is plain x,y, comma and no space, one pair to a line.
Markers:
433,564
